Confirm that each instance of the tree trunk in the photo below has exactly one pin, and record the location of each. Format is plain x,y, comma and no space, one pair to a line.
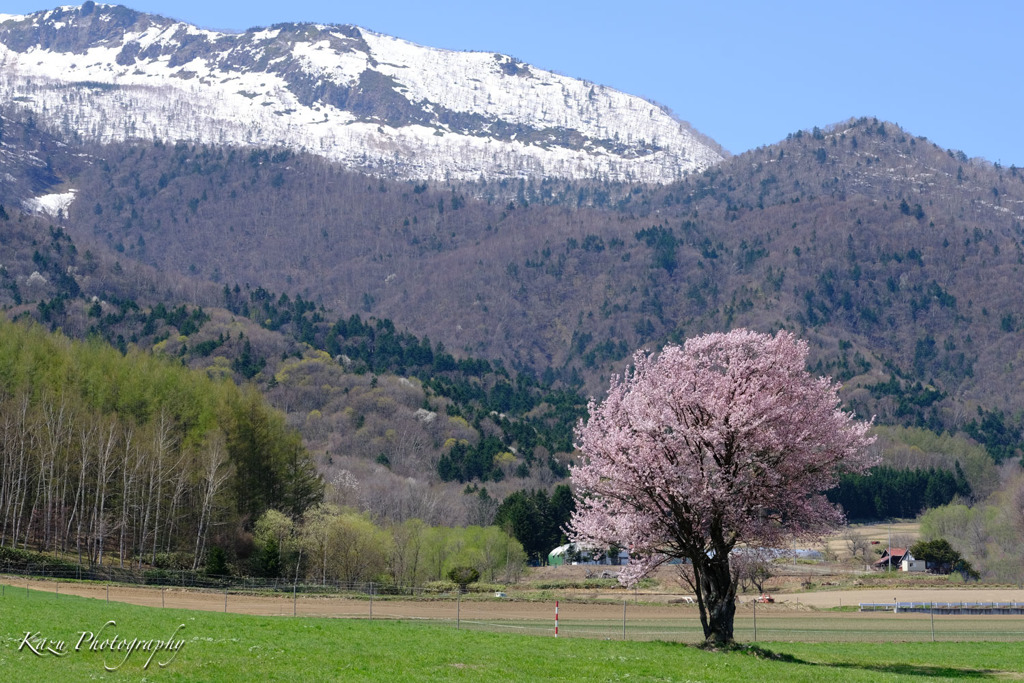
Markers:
215,474
716,596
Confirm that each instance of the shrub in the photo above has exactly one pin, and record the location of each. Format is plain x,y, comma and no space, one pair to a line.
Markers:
463,576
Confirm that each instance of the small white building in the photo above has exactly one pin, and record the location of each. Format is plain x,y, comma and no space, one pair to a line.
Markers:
910,564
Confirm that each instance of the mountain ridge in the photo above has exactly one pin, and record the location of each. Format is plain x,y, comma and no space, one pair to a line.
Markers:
372,102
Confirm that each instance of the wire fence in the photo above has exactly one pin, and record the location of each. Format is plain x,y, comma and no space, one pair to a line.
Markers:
178,578
606,620
972,608
768,624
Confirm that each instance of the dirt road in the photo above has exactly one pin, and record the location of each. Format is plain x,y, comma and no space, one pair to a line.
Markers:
485,608
824,599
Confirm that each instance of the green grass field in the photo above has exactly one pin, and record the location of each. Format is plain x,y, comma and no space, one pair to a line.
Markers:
232,647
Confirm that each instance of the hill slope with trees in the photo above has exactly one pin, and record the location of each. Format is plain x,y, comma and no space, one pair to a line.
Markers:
431,338
897,259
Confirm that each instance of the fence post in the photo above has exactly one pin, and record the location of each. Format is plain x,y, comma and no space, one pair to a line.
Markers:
162,602
932,610
225,600
108,593
458,611
755,620
295,601
623,619
371,601
556,618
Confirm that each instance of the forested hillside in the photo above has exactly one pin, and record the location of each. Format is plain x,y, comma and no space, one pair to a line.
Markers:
387,415
433,343
135,455
897,259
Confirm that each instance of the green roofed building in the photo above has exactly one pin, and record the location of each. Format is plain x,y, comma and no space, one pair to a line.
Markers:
559,555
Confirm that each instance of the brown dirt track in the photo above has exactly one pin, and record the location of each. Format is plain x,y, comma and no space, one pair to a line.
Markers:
493,608
341,607
824,599
786,620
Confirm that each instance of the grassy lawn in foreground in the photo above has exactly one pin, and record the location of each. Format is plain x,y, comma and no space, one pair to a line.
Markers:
231,647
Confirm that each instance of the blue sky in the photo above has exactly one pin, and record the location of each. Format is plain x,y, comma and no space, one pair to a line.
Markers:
744,73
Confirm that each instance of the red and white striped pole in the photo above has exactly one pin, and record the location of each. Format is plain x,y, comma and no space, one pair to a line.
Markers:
556,618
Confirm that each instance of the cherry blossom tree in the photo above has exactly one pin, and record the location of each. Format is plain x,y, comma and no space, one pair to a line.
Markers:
725,441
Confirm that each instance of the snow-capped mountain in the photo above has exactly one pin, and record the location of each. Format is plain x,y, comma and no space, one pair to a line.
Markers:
370,101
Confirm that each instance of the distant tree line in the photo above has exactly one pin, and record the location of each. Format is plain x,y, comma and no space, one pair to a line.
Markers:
537,519
888,492
331,544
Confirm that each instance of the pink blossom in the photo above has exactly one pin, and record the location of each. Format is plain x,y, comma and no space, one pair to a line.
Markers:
727,440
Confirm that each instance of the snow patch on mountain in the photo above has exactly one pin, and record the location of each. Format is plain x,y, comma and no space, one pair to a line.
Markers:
50,204
367,100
